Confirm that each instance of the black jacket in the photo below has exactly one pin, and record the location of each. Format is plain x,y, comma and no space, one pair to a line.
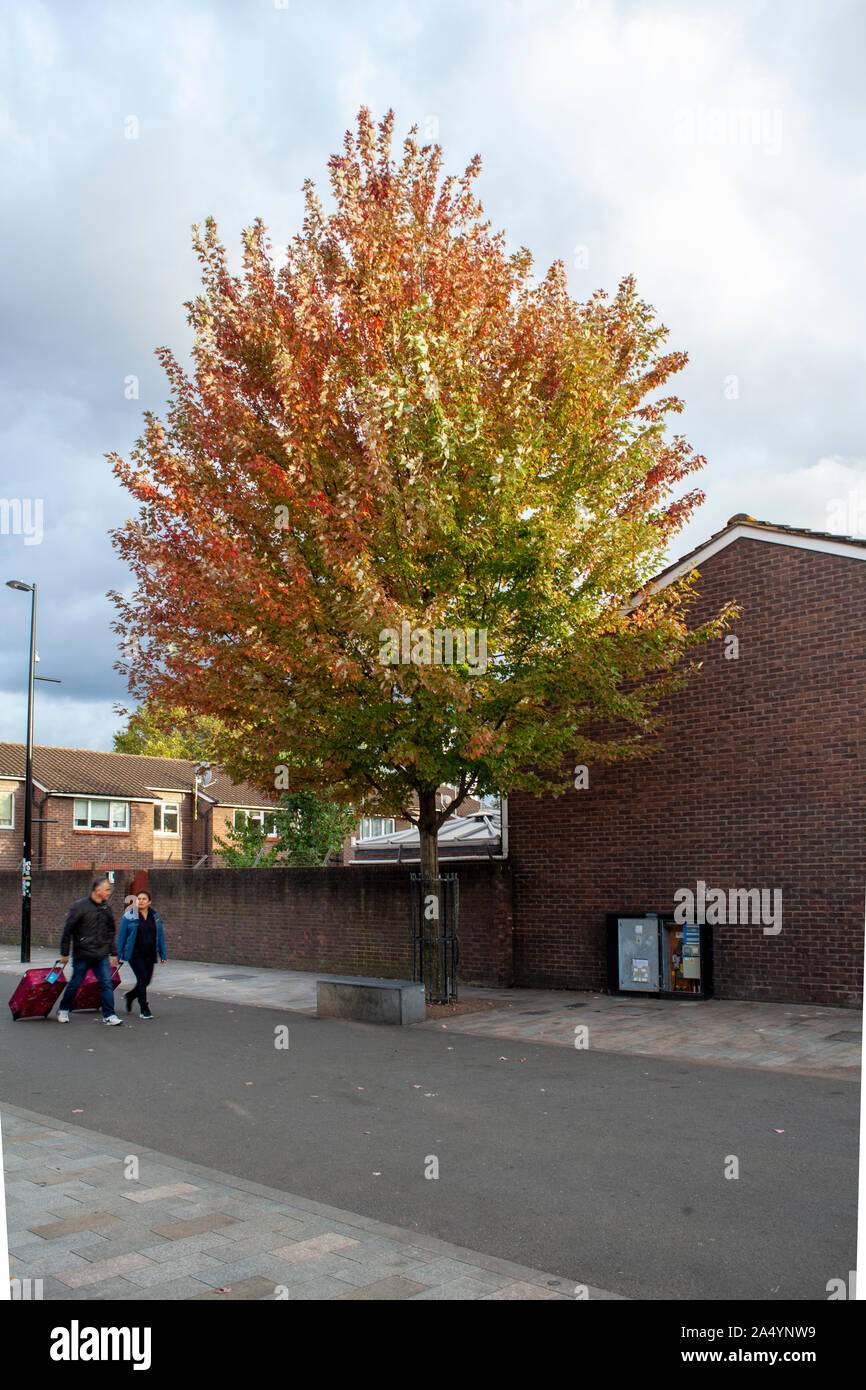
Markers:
90,927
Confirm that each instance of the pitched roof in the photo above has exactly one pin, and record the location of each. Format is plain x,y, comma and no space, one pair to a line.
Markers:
477,834
89,772
742,526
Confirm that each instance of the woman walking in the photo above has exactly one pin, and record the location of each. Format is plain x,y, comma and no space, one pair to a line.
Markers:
139,941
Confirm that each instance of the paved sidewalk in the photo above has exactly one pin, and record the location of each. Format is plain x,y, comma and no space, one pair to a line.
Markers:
803,1039
94,1218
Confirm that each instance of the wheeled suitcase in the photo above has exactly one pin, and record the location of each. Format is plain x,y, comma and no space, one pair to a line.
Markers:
38,992
88,996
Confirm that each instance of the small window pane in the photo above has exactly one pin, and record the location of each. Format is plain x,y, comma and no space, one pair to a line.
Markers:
169,820
99,815
118,815
6,802
240,820
80,812
157,817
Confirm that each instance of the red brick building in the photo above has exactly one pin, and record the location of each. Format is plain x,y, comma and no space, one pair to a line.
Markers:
760,785
117,810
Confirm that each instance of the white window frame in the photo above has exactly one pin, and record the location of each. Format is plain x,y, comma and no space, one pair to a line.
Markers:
109,829
162,807
257,814
366,834
9,825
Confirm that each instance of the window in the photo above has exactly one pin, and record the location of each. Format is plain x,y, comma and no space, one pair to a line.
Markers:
166,818
376,825
250,817
7,810
99,814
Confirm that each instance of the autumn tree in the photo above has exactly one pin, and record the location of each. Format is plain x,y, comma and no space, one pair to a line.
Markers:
165,732
394,430
307,827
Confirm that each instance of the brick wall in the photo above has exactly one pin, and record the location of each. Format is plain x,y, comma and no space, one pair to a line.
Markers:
352,920
761,784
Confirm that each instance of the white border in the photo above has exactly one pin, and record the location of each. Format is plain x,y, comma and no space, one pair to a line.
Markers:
5,1286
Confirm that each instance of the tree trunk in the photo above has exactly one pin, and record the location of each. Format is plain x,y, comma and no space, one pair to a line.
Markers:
429,832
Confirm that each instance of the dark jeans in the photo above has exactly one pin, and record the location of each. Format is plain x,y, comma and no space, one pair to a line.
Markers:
102,971
143,969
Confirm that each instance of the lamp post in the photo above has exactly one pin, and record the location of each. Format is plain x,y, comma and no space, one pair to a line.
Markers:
28,777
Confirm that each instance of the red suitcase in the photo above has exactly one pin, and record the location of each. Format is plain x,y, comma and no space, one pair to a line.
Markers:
88,996
38,992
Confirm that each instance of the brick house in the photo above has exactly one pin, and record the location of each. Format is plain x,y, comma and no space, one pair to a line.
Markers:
760,786
117,810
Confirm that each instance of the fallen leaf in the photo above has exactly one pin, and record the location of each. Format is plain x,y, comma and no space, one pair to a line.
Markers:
779,1131
226,1290
79,1112
377,1175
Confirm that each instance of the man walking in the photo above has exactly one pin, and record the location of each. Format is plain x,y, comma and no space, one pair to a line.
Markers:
90,928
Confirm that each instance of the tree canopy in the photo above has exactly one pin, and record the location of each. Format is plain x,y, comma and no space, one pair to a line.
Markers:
395,431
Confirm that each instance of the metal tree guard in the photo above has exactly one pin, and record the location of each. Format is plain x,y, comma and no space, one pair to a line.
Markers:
435,943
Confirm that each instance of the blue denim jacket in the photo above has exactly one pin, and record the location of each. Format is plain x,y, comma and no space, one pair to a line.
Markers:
129,928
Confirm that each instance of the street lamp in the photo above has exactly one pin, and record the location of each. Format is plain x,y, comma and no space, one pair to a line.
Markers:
28,777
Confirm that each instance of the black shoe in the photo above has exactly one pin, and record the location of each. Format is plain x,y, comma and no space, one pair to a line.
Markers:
145,1013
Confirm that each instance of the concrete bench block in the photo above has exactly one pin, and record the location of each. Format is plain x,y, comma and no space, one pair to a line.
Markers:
369,1000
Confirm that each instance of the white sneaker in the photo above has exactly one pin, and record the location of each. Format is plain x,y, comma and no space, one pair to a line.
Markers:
113,1021
62,1015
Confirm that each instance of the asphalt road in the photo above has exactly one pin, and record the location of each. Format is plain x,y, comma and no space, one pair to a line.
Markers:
598,1168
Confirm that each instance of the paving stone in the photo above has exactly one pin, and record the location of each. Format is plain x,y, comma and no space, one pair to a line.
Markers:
314,1290
156,1194
467,1288
49,1177
105,1291
246,1289
178,1229
242,1249
394,1288
160,1274
212,1241
309,1249
20,1240
522,1292
88,1221
38,1263
179,1289
102,1269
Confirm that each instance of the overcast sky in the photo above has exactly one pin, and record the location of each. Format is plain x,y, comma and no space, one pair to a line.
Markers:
714,150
